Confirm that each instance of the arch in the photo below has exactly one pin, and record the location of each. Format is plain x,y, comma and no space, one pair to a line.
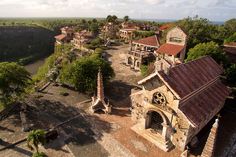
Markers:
130,60
137,64
162,122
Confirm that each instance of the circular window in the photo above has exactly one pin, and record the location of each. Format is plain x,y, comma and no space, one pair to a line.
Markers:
159,98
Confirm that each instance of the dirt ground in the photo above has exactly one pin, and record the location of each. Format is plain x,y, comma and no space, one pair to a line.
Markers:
99,135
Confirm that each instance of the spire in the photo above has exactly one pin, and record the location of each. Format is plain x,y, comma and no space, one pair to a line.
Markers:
100,88
209,147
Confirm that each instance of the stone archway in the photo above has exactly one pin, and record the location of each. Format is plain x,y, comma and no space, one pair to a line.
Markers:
130,61
156,122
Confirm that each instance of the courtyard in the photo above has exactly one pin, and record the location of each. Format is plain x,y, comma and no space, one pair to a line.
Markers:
99,135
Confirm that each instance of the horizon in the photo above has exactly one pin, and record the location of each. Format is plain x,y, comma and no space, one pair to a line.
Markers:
214,10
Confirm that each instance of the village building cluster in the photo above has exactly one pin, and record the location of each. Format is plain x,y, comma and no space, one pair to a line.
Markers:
178,99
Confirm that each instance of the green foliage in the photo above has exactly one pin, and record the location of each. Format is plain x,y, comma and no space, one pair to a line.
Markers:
95,43
231,74
82,74
147,69
143,34
126,18
39,154
94,28
199,30
232,38
230,26
208,49
14,80
35,138
112,18
144,70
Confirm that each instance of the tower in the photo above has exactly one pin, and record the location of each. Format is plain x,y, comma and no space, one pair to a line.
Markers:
100,103
209,147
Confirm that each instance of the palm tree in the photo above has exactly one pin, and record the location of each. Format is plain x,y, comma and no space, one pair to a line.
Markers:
35,138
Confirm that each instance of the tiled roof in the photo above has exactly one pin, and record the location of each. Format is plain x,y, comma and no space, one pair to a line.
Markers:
151,41
60,37
231,50
170,49
189,77
166,26
202,107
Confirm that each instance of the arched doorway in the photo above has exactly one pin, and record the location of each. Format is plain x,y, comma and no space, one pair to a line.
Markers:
130,61
154,122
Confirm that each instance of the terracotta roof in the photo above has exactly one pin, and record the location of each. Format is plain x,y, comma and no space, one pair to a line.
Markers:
170,49
60,37
166,26
151,41
186,78
202,107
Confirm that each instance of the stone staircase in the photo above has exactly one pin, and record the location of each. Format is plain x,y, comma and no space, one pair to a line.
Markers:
155,138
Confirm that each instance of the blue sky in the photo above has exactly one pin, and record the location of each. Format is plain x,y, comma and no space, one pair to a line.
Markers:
217,10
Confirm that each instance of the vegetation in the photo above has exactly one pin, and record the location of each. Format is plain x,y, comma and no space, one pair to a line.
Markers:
82,74
25,44
231,74
232,38
147,69
35,138
143,34
126,18
14,80
211,48
95,43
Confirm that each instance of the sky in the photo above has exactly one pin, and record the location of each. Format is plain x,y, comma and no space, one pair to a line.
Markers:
215,10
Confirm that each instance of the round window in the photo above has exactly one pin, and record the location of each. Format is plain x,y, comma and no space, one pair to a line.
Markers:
159,98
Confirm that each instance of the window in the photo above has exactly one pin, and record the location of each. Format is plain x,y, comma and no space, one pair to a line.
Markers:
159,99
175,39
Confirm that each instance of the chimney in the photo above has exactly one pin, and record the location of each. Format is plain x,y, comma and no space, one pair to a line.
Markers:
100,88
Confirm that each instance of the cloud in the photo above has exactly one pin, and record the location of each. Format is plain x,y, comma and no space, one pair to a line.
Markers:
152,9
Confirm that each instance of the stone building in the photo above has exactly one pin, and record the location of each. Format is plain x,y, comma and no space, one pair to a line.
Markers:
142,52
110,31
81,38
175,104
100,103
127,33
173,51
66,35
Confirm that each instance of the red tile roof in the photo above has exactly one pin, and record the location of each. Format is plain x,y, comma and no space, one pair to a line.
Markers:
231,50
202,107
189,77
150,41
170,49
60,37
165,26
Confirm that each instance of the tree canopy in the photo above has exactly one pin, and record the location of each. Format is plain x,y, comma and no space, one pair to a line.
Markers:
82,74
126,18
207,49
232,38
14,80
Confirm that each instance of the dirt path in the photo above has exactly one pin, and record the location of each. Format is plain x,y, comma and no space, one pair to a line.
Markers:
116,56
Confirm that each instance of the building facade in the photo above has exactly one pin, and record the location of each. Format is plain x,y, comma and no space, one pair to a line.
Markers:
66,35
175,104
81,38
142,52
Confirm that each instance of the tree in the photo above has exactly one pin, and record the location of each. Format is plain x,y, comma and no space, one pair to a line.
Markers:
199,30
126,18
232,38
35,138
208,49
82,74
14,80
230,26
94,28
231,74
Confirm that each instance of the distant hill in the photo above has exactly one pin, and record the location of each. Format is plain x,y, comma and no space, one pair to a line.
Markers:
25,44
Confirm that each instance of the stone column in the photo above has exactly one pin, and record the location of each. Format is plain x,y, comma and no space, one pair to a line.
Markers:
164,130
